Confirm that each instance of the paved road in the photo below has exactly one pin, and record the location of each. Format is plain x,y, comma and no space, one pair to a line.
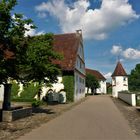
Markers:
95,119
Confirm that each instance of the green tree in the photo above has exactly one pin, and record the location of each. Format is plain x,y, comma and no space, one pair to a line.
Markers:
39,56
12,45
91,83
134,79
22,58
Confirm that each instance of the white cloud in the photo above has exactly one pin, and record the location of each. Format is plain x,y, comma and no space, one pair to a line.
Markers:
116,50
32,32
128,53
95,23
108,75
131,53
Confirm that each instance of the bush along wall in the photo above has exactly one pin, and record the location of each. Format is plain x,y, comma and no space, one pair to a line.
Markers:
14,90
28,93
68,82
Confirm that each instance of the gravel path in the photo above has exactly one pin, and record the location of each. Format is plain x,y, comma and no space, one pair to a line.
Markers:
131,114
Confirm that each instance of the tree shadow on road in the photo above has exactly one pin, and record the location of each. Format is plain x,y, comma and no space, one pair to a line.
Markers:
42,110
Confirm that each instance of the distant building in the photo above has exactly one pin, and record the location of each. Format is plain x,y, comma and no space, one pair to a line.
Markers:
102,81
119,80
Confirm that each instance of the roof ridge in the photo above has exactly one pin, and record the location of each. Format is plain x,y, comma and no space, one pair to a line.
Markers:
65,34
96,73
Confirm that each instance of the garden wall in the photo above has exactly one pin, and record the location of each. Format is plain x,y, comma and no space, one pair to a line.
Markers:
129,98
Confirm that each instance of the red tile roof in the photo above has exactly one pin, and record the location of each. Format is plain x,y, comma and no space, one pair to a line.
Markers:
96,73
119,70
67,45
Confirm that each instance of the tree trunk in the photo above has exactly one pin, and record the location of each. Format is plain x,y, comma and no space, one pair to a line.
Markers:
7,96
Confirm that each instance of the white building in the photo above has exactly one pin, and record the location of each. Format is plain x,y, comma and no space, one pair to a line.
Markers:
119,80
102,81
73,64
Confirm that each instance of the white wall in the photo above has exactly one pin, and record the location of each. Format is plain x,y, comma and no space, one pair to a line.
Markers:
128,97
1,92
102,88
119,83
55,87
79,91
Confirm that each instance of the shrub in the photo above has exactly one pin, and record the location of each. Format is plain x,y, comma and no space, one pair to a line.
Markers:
36,103
29,91
68,82
14,90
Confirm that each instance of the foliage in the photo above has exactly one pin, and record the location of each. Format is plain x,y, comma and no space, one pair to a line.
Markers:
14,90
13,43
109,90
23,58
36,103
91,82
29,91
39,60
68,82
134,79
30,57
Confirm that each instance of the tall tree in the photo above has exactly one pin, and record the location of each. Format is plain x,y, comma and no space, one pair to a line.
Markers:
22,58
91,83
134,79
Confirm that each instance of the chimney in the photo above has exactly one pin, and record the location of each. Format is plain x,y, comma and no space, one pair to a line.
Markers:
79,31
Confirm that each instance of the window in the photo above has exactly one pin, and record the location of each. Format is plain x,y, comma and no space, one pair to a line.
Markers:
83,81
113,82
80,65
124,79
76,78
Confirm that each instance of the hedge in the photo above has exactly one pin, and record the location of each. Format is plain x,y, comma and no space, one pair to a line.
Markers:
68,82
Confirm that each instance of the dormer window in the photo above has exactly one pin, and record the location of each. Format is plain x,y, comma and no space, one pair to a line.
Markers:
124,79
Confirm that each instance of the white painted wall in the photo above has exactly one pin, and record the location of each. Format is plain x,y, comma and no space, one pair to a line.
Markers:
56,87
1,92
128,97
79,91
101,90
119,83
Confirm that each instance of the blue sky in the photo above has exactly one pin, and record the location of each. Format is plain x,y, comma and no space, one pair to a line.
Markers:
111,28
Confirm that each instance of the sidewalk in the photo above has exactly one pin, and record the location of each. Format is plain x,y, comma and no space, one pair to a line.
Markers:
95,119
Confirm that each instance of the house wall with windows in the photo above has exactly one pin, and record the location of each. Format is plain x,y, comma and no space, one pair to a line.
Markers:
73,63
102,89
79,74
119,83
